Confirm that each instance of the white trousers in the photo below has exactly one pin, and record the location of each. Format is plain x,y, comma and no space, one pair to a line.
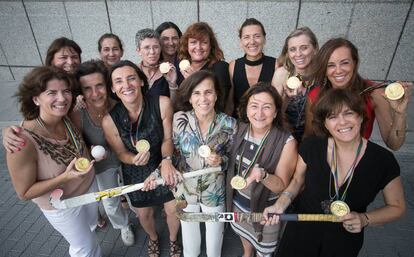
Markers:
116,214
192,236
77,225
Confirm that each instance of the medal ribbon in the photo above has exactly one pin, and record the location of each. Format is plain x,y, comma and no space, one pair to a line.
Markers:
72,137
349,175
134,140
71,133
210,129
255,157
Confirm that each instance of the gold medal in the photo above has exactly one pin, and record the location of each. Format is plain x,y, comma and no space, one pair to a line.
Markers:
339,208
164,67
394,91
184,64
293,83
82,164
204,151
142,146
238,182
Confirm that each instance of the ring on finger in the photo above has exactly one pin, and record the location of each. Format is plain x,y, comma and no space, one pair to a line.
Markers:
350,227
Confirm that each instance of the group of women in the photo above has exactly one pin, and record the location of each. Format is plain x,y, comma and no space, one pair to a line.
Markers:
267,160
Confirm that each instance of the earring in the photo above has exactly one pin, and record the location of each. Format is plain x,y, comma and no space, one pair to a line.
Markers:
36,103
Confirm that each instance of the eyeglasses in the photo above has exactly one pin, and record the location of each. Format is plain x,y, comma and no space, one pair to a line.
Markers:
148,49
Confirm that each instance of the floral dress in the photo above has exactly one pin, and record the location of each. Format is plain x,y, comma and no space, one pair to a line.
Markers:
209,189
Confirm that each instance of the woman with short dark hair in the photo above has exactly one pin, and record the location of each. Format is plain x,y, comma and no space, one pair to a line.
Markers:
339,173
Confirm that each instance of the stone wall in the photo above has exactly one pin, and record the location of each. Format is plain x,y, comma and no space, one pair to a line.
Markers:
382,30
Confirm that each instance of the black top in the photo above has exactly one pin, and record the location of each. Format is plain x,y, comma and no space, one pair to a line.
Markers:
160,87
221,70
240,81
150,129
374,171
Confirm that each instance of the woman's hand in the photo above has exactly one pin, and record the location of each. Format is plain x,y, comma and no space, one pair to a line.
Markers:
12,141
80,102
141,158
187,72
213,160
274,209
169,173
354,222
150,183
292,92
255,175
171,75
72,173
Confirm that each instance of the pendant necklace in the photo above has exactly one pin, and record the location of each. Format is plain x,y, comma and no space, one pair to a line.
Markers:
239,182
141,145
204,150
337,199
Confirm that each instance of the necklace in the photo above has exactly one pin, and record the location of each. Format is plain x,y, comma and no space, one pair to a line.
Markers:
133,133
68,130
204,149
253,63
239,181
150,66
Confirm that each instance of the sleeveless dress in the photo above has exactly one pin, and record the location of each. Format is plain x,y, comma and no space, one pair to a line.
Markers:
94,136
150,129
240,81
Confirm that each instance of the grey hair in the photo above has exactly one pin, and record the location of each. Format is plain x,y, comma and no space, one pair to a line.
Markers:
145,33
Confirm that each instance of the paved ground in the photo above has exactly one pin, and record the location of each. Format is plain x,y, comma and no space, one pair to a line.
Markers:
25,232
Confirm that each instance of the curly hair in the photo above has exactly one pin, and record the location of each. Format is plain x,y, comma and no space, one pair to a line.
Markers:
187,87
262,87
34,83
200,31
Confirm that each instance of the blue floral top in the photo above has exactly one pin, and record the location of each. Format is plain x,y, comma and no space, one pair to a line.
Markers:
209,189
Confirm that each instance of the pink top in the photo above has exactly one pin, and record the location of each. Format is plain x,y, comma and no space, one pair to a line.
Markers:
53,156
313,96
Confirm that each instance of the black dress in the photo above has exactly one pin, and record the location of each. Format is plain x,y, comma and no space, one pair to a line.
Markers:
375,170
150,129
240,81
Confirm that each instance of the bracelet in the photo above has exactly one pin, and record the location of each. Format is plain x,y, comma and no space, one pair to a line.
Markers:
288,194
168,157
366,217
173,87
